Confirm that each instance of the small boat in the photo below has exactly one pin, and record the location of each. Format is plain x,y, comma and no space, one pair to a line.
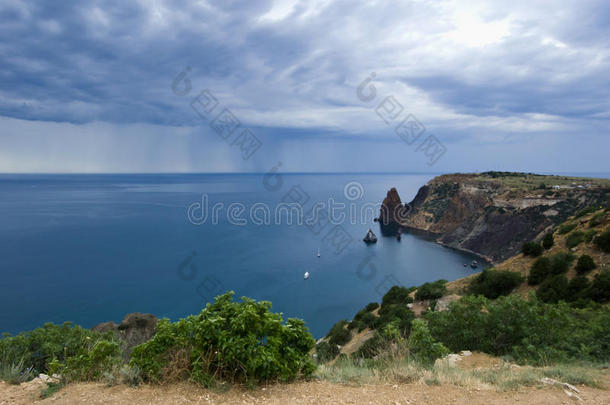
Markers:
306,275
465,265
398,235
474,264
318,252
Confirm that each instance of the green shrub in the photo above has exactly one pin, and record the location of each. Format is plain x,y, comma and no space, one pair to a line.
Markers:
585,264
603,241
397,295
494,283
326,352
600,287
597,219
584,212
74,352
422,345
400,315
339,334
371,306
540,270
553,289
560,262
372,347
228,341
574,239
566,228
431,291
589,235
529,331
531,249
15,373
364,318
578,289
548,241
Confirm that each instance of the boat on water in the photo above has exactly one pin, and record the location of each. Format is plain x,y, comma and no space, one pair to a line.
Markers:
306,275
318,252
474,264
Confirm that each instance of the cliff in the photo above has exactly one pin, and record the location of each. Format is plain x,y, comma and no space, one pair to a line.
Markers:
492,214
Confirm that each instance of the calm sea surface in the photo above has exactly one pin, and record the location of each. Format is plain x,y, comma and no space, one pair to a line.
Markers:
92,248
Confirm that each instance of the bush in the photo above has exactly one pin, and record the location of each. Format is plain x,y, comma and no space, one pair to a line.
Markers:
574,239
603,241
585,264
339,334
540,269
399,315
584,212
531,249
15,373
326,352
529,331
600,287
566,228
553,289
597,219
560,262
589,235
548,241
431,291
578,289
74,352
372,347
494,283
397,295
227,341
371,306
422,345
364,318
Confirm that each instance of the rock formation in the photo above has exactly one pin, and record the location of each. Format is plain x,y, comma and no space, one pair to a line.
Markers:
135,329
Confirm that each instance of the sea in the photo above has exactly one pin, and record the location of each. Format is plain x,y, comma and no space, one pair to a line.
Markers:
92,248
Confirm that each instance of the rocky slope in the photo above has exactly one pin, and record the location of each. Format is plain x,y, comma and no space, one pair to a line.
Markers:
493,213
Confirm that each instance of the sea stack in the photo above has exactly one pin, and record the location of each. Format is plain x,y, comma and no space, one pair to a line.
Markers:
370,237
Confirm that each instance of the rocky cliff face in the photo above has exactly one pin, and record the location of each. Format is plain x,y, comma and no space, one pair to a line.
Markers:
493,213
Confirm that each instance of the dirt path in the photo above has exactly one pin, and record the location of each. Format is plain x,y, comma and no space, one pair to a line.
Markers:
317,392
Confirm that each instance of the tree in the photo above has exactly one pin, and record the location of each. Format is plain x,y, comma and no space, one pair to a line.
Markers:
495,283
540,269
531,249
585,264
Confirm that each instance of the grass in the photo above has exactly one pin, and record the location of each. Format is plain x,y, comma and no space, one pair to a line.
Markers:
504,377
15,373
51,389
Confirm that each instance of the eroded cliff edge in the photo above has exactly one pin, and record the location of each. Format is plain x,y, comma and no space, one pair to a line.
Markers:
492,213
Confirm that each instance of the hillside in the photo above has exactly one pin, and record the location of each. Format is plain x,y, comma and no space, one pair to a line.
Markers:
493,213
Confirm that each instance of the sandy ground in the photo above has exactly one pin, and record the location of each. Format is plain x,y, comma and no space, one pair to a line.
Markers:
315,392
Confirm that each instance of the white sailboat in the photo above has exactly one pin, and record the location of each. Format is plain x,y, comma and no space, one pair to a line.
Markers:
306,275
318,252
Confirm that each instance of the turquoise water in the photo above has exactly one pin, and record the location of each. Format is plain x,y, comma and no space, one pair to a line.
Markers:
92,248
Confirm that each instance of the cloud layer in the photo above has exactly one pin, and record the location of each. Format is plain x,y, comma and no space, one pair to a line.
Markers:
485,78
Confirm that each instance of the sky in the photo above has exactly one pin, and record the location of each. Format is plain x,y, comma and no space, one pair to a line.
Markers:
304,86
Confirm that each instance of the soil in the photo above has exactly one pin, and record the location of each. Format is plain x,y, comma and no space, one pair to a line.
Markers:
313,392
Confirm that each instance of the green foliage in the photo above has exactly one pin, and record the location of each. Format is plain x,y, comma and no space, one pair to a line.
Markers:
600,287
326,352
494,283
531,249
574,239
51,389
15,372
560,262
371,306
563,229
372,347
589,235
579,289
603,241
553,289
74,352
584,212
431,291
540,270
339,334
397,295
398,314
528,330
364,318
548,241
229,341
422,345
585,264
597,219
